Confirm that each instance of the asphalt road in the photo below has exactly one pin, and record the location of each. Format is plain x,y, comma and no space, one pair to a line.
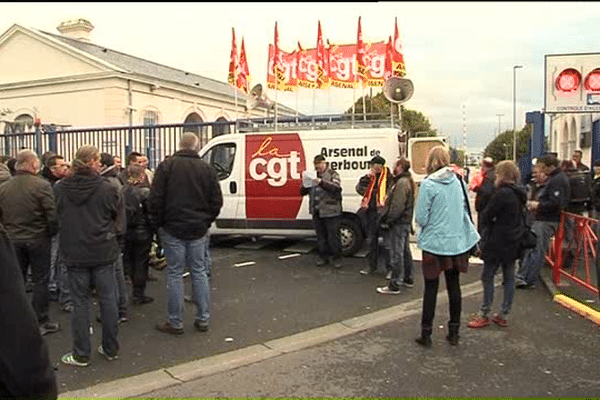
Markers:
270,299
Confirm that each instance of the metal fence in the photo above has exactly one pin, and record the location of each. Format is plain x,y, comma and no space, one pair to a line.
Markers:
159,141
155,141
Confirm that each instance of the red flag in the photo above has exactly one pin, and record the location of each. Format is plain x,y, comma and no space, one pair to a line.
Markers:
233,62
361,55
389,54
398,67
322,77
243,80
278,64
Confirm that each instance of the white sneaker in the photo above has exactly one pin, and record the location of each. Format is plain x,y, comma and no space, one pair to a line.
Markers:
386,290
109,358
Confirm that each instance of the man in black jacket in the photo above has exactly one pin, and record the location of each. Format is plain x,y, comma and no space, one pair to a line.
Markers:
374,187
57,168
184,201
25,368
89,212
553,199
27,207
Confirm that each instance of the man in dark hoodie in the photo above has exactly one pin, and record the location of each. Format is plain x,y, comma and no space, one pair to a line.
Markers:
89,212
552,201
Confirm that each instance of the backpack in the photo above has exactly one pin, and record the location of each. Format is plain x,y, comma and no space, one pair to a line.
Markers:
133,206
580,184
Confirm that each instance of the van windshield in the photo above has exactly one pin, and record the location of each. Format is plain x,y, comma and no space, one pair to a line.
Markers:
221,157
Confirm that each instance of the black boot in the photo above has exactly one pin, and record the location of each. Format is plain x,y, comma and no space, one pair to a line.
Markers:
453,336
425,338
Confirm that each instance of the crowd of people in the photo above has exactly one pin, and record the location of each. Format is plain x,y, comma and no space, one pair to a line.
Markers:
89,227
70,230
446,232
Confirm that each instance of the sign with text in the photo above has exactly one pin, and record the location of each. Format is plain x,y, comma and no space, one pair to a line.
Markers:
572,83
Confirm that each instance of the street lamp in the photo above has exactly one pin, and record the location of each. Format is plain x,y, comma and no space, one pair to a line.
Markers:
515,111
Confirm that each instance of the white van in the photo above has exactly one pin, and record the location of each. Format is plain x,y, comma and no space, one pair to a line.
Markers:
261,174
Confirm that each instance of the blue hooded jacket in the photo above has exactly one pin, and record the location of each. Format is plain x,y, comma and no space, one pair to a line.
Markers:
442,215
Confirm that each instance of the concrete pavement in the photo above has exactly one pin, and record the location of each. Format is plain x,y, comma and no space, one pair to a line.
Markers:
211,375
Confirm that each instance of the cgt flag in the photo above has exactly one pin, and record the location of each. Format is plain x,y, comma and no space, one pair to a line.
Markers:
361,56
243,79
233,62
278,70
322,61
398,67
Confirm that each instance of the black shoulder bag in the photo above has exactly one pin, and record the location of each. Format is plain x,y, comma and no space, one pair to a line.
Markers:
476,249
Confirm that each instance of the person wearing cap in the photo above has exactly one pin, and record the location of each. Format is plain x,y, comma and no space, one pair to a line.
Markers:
374,187
325,205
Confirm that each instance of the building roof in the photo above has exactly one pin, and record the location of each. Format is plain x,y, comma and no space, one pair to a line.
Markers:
136,65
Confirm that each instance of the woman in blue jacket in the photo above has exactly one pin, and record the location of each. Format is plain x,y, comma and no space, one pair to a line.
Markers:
446,234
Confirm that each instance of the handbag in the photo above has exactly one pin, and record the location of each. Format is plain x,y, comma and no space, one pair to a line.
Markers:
476,249
527,237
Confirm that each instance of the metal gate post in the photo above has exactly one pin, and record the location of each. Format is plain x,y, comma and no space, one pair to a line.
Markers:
537,144
558,247
51,131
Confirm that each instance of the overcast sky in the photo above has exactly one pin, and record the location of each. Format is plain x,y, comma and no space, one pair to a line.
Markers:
456,53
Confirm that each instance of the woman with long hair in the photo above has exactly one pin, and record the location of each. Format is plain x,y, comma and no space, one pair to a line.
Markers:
446,236
501,222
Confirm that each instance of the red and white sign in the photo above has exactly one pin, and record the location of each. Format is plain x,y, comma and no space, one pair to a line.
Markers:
572,83
274,164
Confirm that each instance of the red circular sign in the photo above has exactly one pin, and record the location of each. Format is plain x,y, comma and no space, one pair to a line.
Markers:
592,81
568,80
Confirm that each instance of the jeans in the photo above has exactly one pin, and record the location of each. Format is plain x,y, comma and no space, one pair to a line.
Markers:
195,255
53,284
120,289
487,278
328,237
59,281
430,300
400,255
535,259
79,282
36,253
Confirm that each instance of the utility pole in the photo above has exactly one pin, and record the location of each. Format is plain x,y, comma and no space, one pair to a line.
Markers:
499,119
464,135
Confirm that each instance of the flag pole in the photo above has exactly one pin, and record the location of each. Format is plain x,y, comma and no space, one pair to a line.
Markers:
364,103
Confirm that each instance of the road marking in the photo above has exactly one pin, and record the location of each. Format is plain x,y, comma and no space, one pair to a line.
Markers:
289,256
244,264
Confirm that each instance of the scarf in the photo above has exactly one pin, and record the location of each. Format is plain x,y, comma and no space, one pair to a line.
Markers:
381,193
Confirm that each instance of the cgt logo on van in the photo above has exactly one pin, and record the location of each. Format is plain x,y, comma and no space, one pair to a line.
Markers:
273,176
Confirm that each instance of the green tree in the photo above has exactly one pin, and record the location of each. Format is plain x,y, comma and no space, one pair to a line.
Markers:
501,148
380,108
457,156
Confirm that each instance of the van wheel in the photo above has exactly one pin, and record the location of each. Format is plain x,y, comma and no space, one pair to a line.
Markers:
351,235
